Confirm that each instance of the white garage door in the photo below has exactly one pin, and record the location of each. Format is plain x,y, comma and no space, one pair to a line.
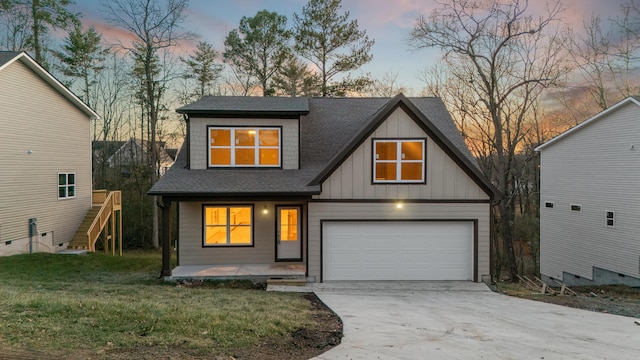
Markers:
397,250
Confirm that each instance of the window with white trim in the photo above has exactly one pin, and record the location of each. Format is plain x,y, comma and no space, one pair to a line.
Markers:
399,161
228,225
244,147
66,185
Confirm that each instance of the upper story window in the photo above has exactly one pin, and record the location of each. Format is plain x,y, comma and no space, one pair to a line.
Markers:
244,147
399,161
66,185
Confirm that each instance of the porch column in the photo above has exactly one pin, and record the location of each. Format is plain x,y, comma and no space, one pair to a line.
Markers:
166,241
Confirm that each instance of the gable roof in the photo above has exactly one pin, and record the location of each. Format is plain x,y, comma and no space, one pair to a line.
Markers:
331,130
9,57
591,120
442,130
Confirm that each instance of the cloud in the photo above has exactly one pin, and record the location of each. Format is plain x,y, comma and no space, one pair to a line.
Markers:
376,13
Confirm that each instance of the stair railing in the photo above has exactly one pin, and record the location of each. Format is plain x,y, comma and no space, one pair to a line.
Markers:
112,202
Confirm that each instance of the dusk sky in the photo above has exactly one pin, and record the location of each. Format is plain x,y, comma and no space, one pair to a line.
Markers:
387,21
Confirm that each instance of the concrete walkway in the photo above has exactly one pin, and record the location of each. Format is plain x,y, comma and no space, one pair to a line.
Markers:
462,320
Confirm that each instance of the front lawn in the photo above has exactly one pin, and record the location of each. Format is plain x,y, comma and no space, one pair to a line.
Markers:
102,306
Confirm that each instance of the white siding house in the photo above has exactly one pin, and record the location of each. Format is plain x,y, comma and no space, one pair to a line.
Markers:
45,166
590,200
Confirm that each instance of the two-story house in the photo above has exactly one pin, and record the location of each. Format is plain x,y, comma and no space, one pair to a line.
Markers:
45,158
339,188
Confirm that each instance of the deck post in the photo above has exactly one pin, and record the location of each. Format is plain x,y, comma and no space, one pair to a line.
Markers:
166,242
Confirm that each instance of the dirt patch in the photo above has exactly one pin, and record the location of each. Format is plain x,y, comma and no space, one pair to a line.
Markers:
323,334
302,343
612,299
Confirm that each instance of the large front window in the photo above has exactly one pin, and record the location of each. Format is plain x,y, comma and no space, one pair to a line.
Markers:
399,161
228,225
246,146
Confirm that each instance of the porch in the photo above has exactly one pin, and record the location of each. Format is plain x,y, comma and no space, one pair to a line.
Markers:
255,272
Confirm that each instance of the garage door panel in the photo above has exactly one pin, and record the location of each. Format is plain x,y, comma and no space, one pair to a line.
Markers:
412,250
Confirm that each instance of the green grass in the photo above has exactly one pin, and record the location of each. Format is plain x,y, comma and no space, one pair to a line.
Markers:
100,302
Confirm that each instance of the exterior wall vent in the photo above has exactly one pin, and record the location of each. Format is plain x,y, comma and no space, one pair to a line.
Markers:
575,207
548,204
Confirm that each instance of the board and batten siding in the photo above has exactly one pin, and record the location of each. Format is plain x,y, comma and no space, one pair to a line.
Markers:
598,168
444,178
341,211
37,118
264,236
199,147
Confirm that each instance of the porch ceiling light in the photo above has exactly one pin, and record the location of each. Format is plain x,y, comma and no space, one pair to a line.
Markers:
399,205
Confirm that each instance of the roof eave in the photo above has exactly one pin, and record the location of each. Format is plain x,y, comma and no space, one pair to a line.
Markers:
262,194
588,122
46,76
242,113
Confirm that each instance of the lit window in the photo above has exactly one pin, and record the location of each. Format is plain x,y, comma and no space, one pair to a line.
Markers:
399,161
228,225
66,185
244,147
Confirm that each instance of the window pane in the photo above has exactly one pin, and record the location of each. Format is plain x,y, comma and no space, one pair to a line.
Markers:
240,216
245,137
269,138
386,150
71,179
62,191
220,157
215,216
71,192
215,235
289,225
269,157
62,179
245,156
412,171
385,171
240,235
220,137
412,150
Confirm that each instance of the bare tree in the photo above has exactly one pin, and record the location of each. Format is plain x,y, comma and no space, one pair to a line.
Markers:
387,85
502,59
156,28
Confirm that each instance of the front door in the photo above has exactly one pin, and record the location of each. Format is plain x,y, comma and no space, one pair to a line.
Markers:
289,236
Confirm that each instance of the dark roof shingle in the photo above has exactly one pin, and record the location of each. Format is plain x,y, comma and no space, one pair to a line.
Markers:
327,131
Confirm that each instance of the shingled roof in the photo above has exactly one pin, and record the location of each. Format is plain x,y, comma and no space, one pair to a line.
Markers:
331,129
250,105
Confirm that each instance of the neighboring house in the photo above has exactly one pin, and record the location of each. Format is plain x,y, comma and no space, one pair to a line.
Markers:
590,200
346,188
45,167
134,152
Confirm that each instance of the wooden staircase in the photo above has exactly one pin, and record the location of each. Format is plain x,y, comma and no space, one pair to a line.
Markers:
106,209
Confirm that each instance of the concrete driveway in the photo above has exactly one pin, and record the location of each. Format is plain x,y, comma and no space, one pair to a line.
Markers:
462,320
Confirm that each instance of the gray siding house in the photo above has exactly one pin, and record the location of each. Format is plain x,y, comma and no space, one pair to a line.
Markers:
45,167
590,196
342,188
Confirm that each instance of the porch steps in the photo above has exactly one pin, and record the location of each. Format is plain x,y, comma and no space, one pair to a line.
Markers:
80,239
287,282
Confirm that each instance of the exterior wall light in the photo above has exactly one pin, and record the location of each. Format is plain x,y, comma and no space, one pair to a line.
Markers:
399,205
265,210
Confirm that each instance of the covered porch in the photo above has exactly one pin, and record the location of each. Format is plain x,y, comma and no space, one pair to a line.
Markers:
255,272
